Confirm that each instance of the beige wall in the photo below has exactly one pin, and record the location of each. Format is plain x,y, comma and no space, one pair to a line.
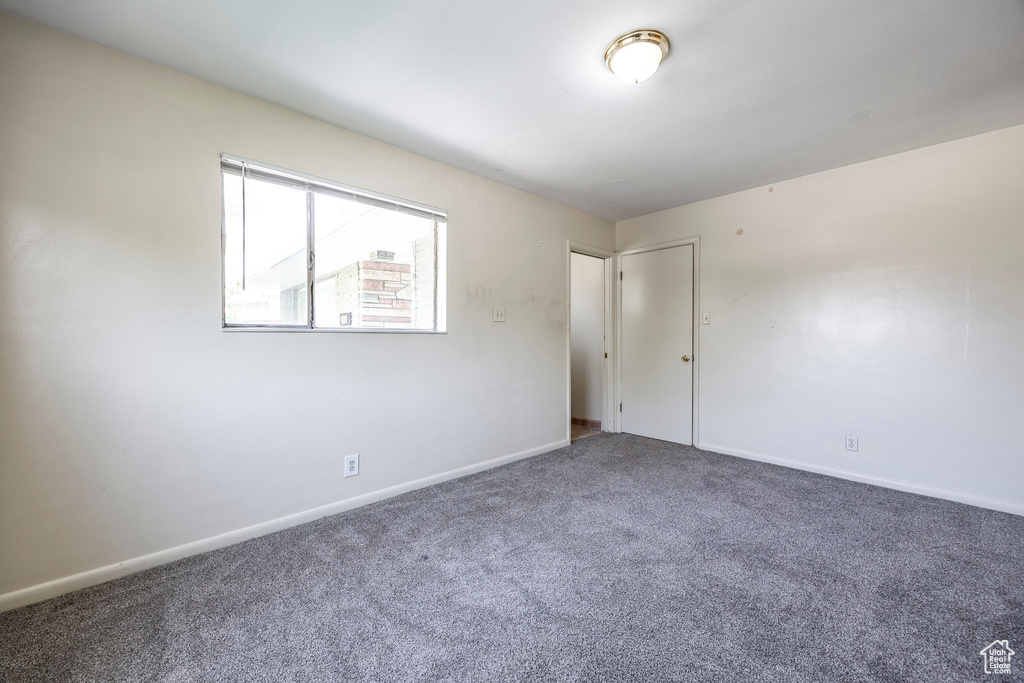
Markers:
883,300
130,423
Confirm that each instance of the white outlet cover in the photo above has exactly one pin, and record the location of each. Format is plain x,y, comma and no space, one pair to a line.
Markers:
851,443
351,465
499,314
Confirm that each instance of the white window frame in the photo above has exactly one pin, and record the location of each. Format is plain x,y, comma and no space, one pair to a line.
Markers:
312,184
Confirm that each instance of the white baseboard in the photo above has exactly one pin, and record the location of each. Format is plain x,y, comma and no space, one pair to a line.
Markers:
92,577
999,505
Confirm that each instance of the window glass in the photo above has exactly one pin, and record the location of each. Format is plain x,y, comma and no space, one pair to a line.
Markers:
264,261
370,262
374,268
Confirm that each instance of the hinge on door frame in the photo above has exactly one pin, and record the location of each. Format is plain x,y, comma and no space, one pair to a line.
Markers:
620,275
606,355
620,407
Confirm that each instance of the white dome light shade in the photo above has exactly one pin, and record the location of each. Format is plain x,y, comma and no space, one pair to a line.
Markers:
635,56
635,62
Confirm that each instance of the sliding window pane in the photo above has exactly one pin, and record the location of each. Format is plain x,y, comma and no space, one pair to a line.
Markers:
265,259
375,268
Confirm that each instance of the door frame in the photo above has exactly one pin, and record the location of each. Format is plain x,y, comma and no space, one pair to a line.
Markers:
616,357
608,392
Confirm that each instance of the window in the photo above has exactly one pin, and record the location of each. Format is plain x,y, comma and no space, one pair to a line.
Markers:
304,253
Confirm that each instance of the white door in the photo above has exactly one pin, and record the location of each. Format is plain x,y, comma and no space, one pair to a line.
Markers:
657,344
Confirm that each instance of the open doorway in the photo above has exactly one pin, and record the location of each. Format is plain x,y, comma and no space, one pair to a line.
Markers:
589,342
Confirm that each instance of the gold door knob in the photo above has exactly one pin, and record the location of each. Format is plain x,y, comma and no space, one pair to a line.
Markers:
686,359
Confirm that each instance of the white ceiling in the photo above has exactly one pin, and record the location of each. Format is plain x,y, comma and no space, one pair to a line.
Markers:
752,92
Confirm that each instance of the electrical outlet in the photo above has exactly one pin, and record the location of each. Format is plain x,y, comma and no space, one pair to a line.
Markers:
705,318
499,314
851,443
351,465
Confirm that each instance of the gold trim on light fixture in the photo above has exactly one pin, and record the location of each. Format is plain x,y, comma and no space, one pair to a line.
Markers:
639,36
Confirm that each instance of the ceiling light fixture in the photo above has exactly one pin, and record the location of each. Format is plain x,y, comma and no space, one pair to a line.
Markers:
635,56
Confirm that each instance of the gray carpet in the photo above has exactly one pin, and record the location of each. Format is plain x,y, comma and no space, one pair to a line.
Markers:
615,559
